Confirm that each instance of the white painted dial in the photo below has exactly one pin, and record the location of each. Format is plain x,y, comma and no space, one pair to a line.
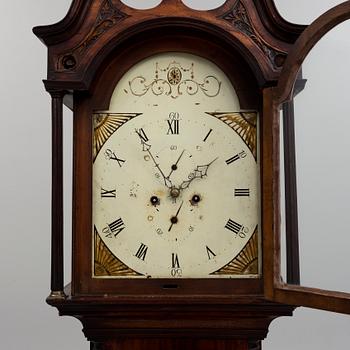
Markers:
175,177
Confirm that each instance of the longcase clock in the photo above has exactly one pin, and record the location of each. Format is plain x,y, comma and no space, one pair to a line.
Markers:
176,177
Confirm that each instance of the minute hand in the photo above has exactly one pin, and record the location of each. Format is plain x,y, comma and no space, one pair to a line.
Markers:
147,148
198,173
167,181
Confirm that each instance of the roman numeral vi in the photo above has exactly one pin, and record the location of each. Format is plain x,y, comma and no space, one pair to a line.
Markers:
175,261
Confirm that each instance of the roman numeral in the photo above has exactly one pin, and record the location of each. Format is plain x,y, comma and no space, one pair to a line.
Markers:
173,123
233,226
173,127
114,228
119,160
206,137
142,251
108,193
242,192
236,157
210,253
175,261
142,135
112,156
233,159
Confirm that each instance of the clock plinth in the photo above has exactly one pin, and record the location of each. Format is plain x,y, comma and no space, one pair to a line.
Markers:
118,321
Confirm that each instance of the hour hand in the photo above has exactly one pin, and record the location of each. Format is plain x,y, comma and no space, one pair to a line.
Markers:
198,173
174,166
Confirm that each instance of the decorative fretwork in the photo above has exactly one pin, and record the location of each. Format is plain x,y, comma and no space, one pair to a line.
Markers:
239,18
244,124
106,264
174,80
246,262
107,18
105,124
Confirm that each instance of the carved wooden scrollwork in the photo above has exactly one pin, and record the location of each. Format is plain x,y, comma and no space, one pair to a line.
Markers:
108,16
239,18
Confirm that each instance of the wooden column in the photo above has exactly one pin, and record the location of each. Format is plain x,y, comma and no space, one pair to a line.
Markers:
292,234
57,263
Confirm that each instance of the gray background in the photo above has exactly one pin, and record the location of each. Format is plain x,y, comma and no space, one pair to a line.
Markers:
26,322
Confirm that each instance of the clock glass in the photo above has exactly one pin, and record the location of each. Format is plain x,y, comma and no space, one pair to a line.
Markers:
175,175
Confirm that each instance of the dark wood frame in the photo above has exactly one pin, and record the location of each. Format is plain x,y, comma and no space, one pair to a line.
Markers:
276,289
141,47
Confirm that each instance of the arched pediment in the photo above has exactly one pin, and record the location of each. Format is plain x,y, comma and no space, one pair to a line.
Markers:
92,29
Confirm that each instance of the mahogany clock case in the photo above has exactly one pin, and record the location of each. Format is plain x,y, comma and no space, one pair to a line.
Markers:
248,40
193,303
89,51
224,36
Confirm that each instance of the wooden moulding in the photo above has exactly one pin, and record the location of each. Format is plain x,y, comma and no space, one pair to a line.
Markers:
91,30
174,344
204,317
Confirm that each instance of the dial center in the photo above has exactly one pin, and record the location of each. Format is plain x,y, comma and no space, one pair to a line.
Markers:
174,220
175,192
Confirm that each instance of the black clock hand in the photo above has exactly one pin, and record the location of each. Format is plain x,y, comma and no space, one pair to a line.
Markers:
174,219
147,148
167,181
174,166
198,173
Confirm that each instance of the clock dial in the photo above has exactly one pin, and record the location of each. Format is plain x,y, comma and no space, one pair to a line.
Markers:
175,181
